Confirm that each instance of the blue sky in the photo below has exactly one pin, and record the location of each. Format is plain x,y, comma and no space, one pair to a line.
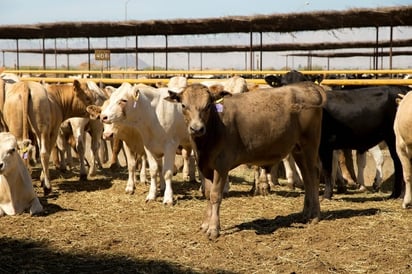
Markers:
50,11
41,11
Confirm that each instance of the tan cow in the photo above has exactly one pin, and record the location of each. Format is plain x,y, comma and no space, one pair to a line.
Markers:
258,128
16,188
30,106
402,127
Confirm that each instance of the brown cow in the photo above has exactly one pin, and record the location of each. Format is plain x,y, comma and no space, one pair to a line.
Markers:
30,106
258,128
402,127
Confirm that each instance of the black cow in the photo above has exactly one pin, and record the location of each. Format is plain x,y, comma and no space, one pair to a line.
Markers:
356,119
360,119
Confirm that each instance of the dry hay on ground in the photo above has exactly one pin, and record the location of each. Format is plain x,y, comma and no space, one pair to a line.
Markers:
94,227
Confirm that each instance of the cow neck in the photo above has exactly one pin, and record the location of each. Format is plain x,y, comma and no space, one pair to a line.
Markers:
144,114
63,96
213,125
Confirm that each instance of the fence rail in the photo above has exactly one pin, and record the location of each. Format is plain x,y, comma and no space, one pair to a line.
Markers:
387,77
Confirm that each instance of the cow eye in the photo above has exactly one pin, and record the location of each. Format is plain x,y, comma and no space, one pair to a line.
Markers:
11,151
123,101
183,106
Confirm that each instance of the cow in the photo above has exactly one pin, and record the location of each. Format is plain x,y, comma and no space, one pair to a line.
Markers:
80,126
16,189
360,119
257,128
355,118
159,122
31,106
402,127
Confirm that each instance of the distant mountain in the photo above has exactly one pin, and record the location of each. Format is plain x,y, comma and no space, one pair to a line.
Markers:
119,60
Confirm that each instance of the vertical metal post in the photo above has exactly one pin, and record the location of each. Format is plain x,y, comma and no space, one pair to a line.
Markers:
137,52
44,53
88,52
18,55
390,48
251,50
261,52
55,53
167,49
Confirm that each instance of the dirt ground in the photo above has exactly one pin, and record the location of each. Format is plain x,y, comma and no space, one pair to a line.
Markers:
94,227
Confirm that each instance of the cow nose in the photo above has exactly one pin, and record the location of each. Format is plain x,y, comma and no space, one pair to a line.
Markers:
1,165
197,131
103,118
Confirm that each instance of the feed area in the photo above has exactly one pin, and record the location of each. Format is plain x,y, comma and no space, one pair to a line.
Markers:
93,226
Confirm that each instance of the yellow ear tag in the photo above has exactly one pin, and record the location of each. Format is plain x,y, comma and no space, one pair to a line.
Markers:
219,101
219,105
135,97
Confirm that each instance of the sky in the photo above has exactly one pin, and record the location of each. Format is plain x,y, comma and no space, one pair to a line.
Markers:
51,11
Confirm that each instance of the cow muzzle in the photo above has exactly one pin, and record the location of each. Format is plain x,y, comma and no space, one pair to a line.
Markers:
197,130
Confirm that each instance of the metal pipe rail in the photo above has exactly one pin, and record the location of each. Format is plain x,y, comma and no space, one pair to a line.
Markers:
162,76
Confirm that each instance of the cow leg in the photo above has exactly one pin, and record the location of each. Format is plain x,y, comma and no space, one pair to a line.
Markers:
44,160
188,171
346,165
293,174
131,168
274,176
361,163
117,146
154,168
96,132
406,162
143,166
307,160
379,160
326,156
212,227
398,185
167,174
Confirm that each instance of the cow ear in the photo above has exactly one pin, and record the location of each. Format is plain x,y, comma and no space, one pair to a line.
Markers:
94,111
273,80
219,95
173,97
76,85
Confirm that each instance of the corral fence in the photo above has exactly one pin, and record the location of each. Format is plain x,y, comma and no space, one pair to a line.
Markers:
112,77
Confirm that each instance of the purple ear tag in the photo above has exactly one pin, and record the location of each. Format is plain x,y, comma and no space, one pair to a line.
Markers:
219,107
134,104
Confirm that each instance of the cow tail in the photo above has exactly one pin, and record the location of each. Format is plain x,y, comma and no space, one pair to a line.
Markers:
25,106
310,103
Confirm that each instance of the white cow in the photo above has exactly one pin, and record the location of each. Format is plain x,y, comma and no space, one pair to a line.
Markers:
16,188
160,123
133,145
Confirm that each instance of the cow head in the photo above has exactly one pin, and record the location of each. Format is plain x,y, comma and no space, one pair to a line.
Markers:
198,102
8,152
291,77
76,97
116,106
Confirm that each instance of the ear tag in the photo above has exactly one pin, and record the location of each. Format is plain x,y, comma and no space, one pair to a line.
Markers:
135,97
219,105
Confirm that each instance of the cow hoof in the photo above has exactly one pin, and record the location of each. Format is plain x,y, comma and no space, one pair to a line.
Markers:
83,177
46,191
341,189
168,203
212,234
362,189
129,192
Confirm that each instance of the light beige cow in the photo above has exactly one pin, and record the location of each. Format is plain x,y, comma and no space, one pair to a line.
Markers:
16,188
32,107
402,127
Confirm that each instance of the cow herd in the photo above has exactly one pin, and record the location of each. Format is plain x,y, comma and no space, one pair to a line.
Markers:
223,125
